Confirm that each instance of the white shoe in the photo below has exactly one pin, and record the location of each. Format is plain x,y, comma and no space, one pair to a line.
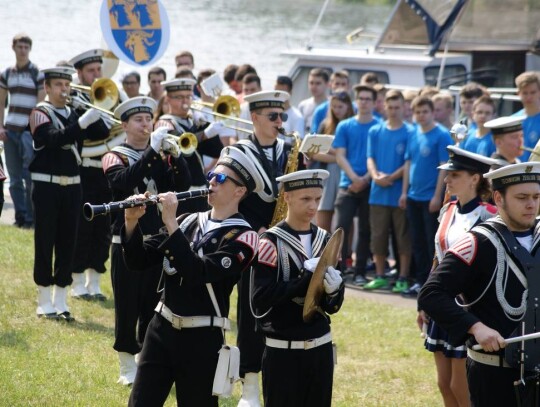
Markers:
78,289
45,306
250,391
92,285
128,368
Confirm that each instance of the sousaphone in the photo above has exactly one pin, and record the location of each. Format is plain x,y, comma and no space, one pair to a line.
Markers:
329,257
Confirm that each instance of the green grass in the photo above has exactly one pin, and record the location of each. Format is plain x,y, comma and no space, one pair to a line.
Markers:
381,360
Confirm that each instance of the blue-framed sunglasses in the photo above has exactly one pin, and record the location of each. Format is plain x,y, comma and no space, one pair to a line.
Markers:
221,178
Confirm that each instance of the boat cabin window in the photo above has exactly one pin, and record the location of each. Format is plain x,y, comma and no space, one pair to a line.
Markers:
455,74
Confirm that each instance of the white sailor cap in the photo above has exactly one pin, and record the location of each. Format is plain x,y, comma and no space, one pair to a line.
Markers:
503,125
58,72
303,179
273,98
236,160
139,104
460,159
93,55
179,84
514,174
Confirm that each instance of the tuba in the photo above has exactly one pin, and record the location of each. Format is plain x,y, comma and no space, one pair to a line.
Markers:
280,212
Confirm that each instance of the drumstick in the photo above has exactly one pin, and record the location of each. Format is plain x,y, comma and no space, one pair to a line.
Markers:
515,339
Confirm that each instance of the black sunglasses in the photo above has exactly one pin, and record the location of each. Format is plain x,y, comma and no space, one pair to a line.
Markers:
274,115
221,178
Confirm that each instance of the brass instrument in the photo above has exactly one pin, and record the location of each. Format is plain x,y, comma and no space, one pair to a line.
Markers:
226,107
280,212
329,257
535,152
186,143
103,93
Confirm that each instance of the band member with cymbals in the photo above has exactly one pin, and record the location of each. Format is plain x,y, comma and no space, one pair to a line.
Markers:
496,269
200,257
298,362
136,167
58,134
93,238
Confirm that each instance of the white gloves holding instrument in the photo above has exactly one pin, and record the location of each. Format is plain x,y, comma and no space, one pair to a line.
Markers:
332,280
311,264
90,116
156,138
214,129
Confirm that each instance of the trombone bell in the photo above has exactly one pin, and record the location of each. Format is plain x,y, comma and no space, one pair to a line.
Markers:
104,93
185,144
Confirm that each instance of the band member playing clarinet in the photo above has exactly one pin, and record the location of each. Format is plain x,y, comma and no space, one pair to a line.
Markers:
58,134
136,167
298,362
200,257
496,268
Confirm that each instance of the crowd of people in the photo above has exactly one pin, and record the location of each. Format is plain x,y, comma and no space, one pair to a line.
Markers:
398,164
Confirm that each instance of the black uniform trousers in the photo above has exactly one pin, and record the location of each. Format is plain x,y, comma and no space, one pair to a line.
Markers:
298,377
186,357
56,220
135,297
94,238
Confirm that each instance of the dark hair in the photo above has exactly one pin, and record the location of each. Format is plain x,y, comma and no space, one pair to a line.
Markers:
340,74
320,73
394,94
329,124
205,73
483,189
157,70
22,37
229,73
473,90
185,54
285,80
485,100
184,73
250,78
365,88
428,91
422,101
132,73
369,78
159,109
242,71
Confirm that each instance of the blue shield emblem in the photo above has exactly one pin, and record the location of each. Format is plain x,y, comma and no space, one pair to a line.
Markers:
137,31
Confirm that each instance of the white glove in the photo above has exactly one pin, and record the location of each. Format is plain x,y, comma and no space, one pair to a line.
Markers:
332,280
108,120
156,138
227,132
214,129
170,146
77,102
90,116
311,264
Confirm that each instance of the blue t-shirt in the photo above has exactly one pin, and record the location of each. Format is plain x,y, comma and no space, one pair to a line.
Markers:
320,114
426,151
387,147
353,136
480,145
531,132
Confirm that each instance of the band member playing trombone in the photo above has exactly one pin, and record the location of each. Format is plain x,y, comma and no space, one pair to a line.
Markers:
200,257
58,134
496,268
134,168
93,238
181,119
298,363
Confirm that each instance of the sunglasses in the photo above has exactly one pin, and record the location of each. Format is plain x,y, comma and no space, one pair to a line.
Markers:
274,116
221,178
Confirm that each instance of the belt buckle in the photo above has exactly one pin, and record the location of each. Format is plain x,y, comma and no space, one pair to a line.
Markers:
177,322
63,180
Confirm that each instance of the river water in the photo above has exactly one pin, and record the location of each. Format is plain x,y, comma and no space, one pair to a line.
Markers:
217,32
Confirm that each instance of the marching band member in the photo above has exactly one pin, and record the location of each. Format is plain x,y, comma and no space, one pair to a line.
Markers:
179,95
135,167
58,134
298,363
270,154
495,268
201,257
93,238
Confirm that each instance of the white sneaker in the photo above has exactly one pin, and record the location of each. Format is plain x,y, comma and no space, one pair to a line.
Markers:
78,288
250,391
128,368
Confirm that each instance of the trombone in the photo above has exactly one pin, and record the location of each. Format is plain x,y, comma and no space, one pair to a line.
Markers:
187,144
104,96
225,107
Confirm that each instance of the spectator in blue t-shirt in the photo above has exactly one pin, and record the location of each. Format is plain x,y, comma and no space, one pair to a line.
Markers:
350,144
528,84
480,140
422,191
387,143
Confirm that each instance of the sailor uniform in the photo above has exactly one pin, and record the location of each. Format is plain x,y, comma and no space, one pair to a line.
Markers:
185,335
297,362
56,193
210,147
454,221
130,171
483,268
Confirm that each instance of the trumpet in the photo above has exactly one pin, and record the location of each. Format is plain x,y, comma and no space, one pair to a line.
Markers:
185,144
91,211
226,107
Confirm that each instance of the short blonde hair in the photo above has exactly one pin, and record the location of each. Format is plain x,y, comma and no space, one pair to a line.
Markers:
527,78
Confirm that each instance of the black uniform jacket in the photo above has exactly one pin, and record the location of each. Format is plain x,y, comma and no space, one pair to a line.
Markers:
170,174
285,297
226,252
468,268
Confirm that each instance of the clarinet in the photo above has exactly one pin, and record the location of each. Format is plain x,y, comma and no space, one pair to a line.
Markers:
91,211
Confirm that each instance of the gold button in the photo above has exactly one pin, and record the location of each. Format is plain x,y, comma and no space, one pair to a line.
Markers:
171,258
167,251
149,164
